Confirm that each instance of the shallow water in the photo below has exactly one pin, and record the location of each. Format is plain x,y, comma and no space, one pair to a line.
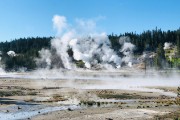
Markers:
29,112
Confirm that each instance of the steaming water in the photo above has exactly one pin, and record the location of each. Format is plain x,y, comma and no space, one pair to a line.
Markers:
105,79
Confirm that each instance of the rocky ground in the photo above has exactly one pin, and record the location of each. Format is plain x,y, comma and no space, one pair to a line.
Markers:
26,95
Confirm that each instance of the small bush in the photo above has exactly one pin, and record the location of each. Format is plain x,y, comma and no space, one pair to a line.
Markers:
80,64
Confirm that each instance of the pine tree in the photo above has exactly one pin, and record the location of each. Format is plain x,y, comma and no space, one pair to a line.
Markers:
178,46
160,57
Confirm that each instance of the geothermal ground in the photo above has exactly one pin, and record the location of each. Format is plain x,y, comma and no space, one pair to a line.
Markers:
89,95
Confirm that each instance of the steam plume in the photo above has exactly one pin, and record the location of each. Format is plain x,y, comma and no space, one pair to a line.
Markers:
11,53
127,50
91,47
167,45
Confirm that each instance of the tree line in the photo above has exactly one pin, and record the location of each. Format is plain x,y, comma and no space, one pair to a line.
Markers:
148,40
153,41
27,48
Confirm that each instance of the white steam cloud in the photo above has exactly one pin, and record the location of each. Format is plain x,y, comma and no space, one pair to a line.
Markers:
127,50
45,58
11,53
91,47
94,51
59,23
167,45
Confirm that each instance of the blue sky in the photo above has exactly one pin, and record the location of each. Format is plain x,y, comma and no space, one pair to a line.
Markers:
31,18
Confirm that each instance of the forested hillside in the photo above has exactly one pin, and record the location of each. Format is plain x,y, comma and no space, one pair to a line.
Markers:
148,40
26,49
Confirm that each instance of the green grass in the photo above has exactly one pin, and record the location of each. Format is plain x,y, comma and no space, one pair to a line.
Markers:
118,96
172,116
32,93
11,93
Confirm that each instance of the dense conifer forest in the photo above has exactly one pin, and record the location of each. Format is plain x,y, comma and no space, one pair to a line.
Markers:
26,49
